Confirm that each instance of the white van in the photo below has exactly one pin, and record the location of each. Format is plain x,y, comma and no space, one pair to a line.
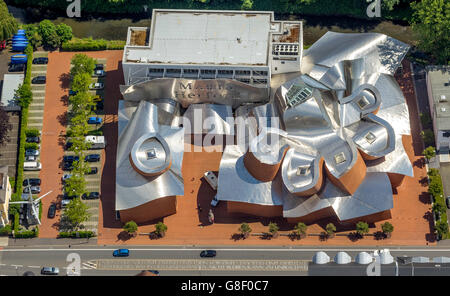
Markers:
32,166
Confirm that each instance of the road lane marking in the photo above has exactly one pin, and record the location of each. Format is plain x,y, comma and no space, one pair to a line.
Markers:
238,250
33,266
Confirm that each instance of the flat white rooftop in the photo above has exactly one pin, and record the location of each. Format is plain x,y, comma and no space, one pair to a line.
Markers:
206,37
11,83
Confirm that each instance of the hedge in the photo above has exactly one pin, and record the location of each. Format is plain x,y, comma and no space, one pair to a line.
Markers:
27,233
5,230
89,44
32,146
73,234
32,132
437,192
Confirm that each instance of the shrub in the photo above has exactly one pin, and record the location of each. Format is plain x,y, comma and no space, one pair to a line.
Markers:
362,228
89,44
31,146
160,228
387,228
26,233
130,227
273,228
330,229
5,230
97,132
73,234
32,132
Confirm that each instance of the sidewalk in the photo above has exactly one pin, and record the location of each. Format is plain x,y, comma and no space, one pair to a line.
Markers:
35,242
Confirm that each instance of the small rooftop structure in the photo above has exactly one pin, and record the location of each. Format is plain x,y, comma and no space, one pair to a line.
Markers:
11,83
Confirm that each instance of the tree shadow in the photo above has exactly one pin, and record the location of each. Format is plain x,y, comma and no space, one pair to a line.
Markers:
354,236
123,236
431,236
64,80
379,235
63,118
425,198
420,163
237,236
424,181
65,100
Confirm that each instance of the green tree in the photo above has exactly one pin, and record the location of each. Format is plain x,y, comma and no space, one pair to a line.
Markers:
362,228
23,95
427,137
300,229
75,185
247,5
81,82
330,229
64,32
431,21
33,36
81,63
77,212
437,207
429,153
273,229
131,227
435,186
245,229
160,228
8,24
387,228
47,30
442,228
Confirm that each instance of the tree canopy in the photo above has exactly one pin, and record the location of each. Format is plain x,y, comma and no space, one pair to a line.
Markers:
82,64
431,21
77,212
130,227
8,24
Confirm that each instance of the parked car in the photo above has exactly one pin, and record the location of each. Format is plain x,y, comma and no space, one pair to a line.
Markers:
50,270
68,145
16,68
97,106
31,152
94,120
34,189
68,166
39,80
65,202
99,73
71,158
33,140
92,171
91,195
92,158
42,60
447,201
96,85
52,211
208,253
121,253
72,92
99,67
30,158
32,182
65,177
67,196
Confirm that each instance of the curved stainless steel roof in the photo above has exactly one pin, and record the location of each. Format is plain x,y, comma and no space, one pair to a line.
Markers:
133,187
345,101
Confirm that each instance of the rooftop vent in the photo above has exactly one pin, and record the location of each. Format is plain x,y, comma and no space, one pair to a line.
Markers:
370,137
443,109
442,98
339,158
363,102
303,171
151,154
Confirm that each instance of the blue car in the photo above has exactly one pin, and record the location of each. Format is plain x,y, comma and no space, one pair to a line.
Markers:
121,253
94,120
72,92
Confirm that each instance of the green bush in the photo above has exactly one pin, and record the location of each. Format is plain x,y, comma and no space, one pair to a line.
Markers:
32,132
33,146
26,233
97,132
89,44
5,230
73,234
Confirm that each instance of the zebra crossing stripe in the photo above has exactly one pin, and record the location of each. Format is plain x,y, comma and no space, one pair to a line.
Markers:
89,265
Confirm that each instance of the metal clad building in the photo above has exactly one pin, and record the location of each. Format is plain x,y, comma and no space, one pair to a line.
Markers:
196,44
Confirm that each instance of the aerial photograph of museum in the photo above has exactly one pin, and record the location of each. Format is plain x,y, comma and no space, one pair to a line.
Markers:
305,134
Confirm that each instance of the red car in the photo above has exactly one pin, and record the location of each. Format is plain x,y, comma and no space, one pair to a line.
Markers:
2,44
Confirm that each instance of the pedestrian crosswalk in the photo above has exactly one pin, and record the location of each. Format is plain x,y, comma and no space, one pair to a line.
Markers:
89,265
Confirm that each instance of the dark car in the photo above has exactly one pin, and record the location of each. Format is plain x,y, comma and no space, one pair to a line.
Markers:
50,270
72,92
34,189
92,195
32,182
52,211
39,80
208,253
68,166
40,60
121,253
67,196
33,140
93,171
99,67
92,158
68,145
71,158
447,201
16,68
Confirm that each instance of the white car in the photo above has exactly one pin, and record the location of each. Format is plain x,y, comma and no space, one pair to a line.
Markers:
99,73
65,202
66,176
96,85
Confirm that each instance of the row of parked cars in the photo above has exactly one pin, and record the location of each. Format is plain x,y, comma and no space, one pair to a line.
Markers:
21,67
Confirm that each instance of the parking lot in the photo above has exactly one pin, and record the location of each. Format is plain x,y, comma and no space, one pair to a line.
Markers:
54,134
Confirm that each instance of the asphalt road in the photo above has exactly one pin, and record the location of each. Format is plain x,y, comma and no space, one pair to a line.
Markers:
96,261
